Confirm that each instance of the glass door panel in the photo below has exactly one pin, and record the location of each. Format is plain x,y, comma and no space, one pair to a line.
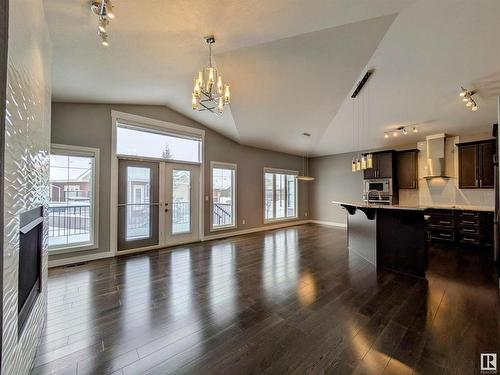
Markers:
138,192
181,201
181,220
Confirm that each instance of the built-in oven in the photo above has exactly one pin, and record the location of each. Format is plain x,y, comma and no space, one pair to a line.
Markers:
382,185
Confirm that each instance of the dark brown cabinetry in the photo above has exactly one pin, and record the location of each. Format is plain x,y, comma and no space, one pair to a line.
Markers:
383,165
475,165
460,227
407,169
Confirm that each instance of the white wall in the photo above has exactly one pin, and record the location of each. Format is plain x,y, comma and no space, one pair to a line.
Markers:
27,140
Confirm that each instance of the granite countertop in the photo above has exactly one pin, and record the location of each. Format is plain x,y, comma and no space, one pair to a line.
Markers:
416,207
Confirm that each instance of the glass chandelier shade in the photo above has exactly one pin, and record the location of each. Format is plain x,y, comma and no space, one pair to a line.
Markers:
209,91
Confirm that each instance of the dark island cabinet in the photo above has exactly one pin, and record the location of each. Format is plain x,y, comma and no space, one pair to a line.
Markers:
475,165
407,168
460,227
383,165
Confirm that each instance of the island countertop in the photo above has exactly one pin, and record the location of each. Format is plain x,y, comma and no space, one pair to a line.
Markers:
416,207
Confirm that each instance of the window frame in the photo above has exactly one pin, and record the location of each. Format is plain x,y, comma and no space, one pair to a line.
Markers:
234,167
72,150
276,171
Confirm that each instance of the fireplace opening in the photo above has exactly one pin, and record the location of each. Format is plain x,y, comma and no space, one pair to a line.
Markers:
30,263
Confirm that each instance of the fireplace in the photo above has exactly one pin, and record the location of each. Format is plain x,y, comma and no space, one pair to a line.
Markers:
30,263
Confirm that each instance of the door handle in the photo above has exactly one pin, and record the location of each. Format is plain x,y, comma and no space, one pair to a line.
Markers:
166,210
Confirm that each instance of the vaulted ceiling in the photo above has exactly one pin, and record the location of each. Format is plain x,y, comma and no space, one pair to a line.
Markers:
292,65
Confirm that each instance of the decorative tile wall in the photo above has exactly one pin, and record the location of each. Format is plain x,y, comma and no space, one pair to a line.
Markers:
27,147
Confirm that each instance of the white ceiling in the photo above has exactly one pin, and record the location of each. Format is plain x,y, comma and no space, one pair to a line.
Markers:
292,65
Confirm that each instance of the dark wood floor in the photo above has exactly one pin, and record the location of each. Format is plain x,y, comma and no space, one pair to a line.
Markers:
285,301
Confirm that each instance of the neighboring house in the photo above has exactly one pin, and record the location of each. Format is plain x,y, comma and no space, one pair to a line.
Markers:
71,190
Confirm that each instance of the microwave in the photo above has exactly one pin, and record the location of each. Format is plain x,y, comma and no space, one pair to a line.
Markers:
382,185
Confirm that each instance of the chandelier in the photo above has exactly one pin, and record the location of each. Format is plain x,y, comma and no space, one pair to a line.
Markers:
467,98
209,93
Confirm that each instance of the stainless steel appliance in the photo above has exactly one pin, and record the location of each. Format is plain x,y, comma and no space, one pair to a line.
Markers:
379,191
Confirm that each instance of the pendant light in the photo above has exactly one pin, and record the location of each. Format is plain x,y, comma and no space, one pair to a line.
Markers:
360,162
305,176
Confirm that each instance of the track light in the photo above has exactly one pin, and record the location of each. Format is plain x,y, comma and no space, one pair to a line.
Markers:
467,98
403,130
104,10
103,23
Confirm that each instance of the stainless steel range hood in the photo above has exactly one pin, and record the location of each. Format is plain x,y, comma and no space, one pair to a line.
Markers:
435,155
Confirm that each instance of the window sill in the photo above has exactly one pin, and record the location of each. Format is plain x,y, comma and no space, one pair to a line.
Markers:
72,249
273,221
223,227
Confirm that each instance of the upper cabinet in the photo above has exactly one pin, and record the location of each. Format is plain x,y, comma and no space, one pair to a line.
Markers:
407,168
475,165
383,165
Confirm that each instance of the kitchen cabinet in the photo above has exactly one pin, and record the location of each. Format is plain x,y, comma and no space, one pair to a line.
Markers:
407,169
460,227
475,165
383,165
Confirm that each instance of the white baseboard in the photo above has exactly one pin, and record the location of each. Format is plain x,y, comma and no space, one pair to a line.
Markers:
329,223
254,230
79,259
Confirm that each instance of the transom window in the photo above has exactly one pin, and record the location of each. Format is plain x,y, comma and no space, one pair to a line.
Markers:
280,194
223,195
72,209
140,141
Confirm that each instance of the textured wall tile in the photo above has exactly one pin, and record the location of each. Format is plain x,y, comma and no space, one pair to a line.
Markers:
27,147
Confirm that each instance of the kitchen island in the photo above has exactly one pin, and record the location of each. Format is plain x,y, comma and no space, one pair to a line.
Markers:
388,236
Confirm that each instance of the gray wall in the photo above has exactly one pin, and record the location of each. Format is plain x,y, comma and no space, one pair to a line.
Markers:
334,181
90,125
26,170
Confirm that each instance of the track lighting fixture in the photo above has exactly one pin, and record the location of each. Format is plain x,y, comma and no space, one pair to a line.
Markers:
467,98
402,130
104,10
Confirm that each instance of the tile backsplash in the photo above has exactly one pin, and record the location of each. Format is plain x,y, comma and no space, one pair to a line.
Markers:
445,191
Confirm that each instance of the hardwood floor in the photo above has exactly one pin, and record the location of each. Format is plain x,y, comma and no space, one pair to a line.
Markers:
286,301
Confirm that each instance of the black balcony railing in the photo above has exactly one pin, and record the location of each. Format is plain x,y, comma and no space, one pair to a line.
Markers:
222,214
68,220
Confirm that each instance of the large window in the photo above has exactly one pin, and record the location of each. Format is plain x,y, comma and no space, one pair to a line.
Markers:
223,195
280,194
72,209
140,141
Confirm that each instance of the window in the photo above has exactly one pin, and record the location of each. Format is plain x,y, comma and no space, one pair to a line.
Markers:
280,194
223,195
72,209
139,141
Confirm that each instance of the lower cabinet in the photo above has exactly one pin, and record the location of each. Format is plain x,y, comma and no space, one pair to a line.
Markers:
460,227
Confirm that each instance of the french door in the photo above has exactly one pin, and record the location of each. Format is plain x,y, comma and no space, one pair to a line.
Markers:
158,204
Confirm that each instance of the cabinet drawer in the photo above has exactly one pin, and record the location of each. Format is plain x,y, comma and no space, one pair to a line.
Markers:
468,231
468,214
442,234
441,221
468,222
468,238
439,211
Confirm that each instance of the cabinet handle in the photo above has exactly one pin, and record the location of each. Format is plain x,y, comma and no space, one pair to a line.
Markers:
468,239
444,235
477,182
444,222
481,182
468,222
468,230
